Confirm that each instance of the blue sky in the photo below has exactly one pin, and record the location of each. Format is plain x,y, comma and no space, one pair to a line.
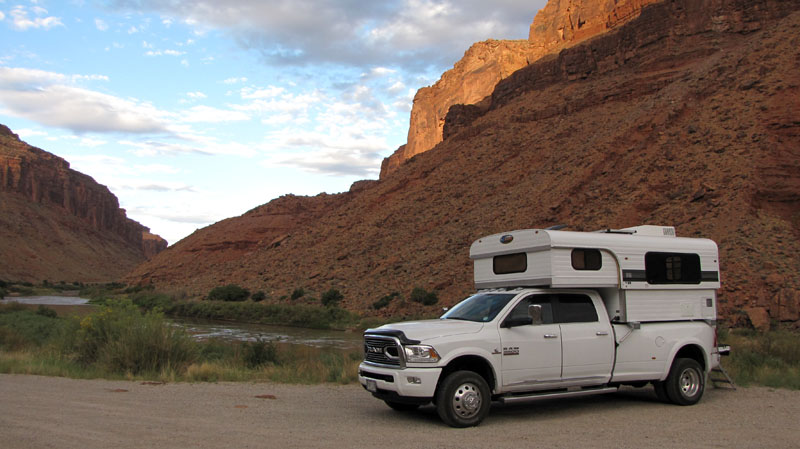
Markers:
196,111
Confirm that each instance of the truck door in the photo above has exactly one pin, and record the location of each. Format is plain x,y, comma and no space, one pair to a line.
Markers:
587,343
531,352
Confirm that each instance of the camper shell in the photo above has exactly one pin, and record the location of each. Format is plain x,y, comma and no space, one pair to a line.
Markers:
643,273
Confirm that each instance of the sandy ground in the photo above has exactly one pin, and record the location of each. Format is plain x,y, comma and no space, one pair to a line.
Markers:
39,412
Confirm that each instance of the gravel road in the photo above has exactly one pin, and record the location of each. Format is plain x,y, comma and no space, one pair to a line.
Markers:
38,412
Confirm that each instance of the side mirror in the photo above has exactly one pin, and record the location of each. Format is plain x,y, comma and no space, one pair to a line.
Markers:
535,312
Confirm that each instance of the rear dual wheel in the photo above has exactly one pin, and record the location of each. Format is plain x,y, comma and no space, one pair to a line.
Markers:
684,385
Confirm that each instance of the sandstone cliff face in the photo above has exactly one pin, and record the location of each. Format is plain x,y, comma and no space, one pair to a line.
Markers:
686,116
37,182
561,23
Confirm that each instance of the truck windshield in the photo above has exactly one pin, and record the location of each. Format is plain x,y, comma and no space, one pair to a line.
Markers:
482,307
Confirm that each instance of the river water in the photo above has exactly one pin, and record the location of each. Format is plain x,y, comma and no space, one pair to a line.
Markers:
206,329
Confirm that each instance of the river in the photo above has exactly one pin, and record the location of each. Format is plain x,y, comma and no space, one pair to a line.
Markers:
206,329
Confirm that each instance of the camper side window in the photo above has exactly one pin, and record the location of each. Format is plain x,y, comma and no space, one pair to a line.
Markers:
672,268
510,263
586,259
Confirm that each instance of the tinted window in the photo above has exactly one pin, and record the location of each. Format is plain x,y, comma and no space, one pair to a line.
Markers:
586,259
672,268
575,309
510,263
520,311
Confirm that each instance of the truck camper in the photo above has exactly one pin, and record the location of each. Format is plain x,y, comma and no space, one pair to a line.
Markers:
559,313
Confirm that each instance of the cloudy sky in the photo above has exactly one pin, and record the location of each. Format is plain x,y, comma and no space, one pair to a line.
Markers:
193,111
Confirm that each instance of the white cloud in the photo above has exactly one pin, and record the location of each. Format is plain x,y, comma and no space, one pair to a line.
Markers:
165,53
21,20
100,24
413,34
89,142
210,114
235,80
2,16
52,99
196,95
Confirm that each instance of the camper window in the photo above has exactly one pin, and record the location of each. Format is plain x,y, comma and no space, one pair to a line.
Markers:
672,268
586,259
510,263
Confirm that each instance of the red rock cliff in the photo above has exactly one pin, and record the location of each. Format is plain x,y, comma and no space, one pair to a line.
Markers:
41,181
561,23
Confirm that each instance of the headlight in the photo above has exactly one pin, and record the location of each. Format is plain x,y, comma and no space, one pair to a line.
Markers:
421,354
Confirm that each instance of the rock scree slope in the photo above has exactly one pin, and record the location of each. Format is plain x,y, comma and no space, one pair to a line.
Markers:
686,115
57,224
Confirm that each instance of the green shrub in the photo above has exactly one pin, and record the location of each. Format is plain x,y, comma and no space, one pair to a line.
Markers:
424,297
46,311
331,298
230,292
259,296
298,293
121,339
259,353
149,301
2,292
384,301
27,327
3,284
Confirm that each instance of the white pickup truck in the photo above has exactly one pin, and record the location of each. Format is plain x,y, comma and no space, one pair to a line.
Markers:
558,314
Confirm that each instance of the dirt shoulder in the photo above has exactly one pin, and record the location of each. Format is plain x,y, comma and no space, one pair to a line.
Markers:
40,412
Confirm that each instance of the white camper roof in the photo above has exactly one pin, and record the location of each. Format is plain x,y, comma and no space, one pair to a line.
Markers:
549,258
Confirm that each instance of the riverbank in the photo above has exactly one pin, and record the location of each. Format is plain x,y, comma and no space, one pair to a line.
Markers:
122,342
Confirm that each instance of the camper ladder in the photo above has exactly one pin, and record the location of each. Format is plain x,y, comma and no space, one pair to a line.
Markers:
718,375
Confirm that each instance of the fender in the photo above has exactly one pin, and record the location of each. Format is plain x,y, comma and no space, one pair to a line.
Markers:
678,347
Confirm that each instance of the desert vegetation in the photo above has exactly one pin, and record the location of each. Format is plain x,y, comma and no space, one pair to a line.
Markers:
122,341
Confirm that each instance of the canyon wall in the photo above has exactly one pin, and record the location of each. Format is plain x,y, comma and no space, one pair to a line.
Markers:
38,182
560,24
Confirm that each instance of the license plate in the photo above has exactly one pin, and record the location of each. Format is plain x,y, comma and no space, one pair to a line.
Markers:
372,386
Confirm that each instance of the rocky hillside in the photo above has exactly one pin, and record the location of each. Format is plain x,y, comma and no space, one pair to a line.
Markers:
560,24
58,224
687,115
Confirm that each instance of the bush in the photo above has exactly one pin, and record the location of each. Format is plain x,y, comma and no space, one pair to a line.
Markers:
298,293
259,353
121,339
331,298
151,301
424,297
384,301
259,296
2,292
46,311
230,292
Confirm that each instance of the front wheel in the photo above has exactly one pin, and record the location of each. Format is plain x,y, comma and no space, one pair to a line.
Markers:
686,382
463,399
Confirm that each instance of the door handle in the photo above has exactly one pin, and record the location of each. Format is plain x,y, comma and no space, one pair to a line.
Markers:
602,333
550,336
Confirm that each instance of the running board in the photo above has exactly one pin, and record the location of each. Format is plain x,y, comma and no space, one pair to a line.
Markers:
551,395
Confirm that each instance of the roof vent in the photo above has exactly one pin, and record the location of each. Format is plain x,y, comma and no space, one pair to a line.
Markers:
652,231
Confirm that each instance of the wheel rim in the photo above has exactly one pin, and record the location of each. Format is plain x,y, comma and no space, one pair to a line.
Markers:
467,400
689,383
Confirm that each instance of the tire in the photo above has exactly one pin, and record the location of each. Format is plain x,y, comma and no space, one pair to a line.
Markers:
402,407
686,382
463,399
661,391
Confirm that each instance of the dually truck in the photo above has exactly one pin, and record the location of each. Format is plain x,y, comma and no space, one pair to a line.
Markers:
558,314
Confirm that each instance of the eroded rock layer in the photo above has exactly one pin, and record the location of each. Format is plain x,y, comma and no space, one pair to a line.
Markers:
60,225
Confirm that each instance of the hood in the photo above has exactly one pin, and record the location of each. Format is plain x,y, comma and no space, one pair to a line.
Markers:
427,330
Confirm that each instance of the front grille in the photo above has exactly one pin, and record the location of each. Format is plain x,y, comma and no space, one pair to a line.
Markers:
383,351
